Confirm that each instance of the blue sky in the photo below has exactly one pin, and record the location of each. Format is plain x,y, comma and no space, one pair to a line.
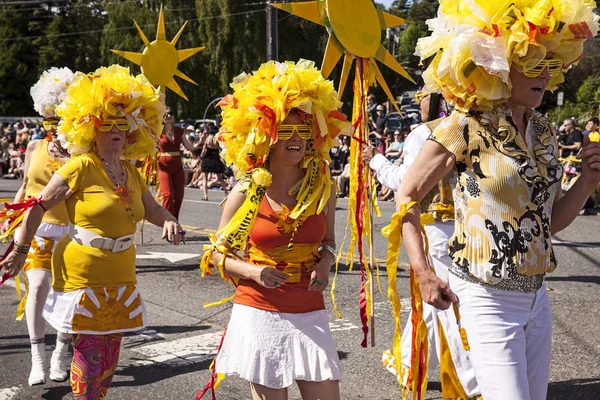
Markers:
387,3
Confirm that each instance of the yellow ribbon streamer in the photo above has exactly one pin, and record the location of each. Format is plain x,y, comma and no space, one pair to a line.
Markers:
393,232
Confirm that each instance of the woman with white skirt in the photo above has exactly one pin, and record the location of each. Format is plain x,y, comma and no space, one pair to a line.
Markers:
281,218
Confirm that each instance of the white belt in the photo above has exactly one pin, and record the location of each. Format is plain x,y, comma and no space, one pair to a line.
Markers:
88,238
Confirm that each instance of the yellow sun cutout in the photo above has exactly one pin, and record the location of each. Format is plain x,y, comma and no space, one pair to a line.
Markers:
354,31
160,58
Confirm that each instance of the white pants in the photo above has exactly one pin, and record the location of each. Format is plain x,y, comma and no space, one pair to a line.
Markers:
510,334
438,235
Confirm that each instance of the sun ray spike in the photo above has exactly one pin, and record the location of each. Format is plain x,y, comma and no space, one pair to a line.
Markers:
386,58
185,77
333,53
383,84
346,67
176,38
187,53
161,33
174,86
308,10
142,34
389,20
135,58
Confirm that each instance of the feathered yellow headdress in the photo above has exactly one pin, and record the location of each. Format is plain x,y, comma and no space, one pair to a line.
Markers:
475,43
109,92
251,115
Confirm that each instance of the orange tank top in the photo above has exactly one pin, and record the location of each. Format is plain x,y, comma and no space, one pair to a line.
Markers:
267,246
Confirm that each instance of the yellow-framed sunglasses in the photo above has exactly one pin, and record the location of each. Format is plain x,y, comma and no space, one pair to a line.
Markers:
107,125
50,124
419,96
286,131
554,66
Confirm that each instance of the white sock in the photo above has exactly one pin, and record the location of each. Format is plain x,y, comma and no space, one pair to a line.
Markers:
38,357
58,371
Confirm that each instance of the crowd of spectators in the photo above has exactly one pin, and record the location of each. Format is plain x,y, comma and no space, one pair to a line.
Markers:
202,138
388,139
14,138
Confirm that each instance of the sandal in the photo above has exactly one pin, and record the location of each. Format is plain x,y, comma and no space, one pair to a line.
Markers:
205,198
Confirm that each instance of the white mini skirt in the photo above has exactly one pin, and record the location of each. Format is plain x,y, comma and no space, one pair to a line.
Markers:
276,349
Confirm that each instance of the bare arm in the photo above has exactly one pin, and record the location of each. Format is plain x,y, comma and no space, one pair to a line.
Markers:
28,154
567,206
319,278
55,192
186,143
158,216
432,164
267,277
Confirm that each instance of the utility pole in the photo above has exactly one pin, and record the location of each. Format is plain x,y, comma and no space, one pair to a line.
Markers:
272,45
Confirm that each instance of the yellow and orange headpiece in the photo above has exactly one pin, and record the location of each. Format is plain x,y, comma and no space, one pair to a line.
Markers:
475,43
111,92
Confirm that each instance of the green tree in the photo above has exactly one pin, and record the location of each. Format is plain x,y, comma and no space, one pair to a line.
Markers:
18,69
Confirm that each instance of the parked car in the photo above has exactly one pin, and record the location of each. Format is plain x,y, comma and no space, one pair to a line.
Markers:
213,124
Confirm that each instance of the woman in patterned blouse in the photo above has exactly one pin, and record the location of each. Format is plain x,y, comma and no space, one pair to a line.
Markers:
505,175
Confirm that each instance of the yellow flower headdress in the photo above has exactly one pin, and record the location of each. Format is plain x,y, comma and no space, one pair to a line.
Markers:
109,92
475,43
251,115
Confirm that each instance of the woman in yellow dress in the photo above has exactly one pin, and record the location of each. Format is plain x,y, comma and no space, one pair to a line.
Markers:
42,159
107,115
494,60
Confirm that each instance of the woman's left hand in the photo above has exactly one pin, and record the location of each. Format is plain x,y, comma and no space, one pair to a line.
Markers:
319,278
590,155
173,232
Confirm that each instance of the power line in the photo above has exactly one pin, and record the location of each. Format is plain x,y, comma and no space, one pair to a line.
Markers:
131,27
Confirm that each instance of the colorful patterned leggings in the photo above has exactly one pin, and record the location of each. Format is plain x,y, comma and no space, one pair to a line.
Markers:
95,359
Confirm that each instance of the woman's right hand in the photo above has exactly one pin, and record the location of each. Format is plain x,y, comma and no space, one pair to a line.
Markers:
267,277
434,291
13,263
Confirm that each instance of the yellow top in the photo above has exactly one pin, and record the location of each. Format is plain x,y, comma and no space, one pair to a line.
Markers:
41,169
94,205
504,188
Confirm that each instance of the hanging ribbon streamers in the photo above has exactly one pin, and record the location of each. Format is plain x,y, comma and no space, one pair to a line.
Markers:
360,202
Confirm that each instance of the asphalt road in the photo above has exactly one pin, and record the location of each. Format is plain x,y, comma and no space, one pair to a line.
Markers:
170,358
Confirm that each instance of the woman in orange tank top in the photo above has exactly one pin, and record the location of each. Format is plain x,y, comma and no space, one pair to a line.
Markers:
276,235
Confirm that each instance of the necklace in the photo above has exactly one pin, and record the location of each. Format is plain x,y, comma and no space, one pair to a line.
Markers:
120,189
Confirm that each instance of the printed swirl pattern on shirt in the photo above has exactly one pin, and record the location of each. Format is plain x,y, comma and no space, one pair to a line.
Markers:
504,189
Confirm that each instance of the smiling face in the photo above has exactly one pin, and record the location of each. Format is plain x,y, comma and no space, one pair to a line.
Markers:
289,151
113,140
528,92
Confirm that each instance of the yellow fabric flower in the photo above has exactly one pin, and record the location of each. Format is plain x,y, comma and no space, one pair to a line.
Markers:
109,92
475,43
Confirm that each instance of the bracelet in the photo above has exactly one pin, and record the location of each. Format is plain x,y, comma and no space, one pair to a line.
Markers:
21,248
331,249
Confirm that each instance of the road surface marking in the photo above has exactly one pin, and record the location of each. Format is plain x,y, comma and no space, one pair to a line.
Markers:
9,393
181,352
197,229
341,325
203,202
172,257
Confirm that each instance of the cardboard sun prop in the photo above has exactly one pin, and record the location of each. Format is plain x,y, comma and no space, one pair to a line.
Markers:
160,58
354,31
